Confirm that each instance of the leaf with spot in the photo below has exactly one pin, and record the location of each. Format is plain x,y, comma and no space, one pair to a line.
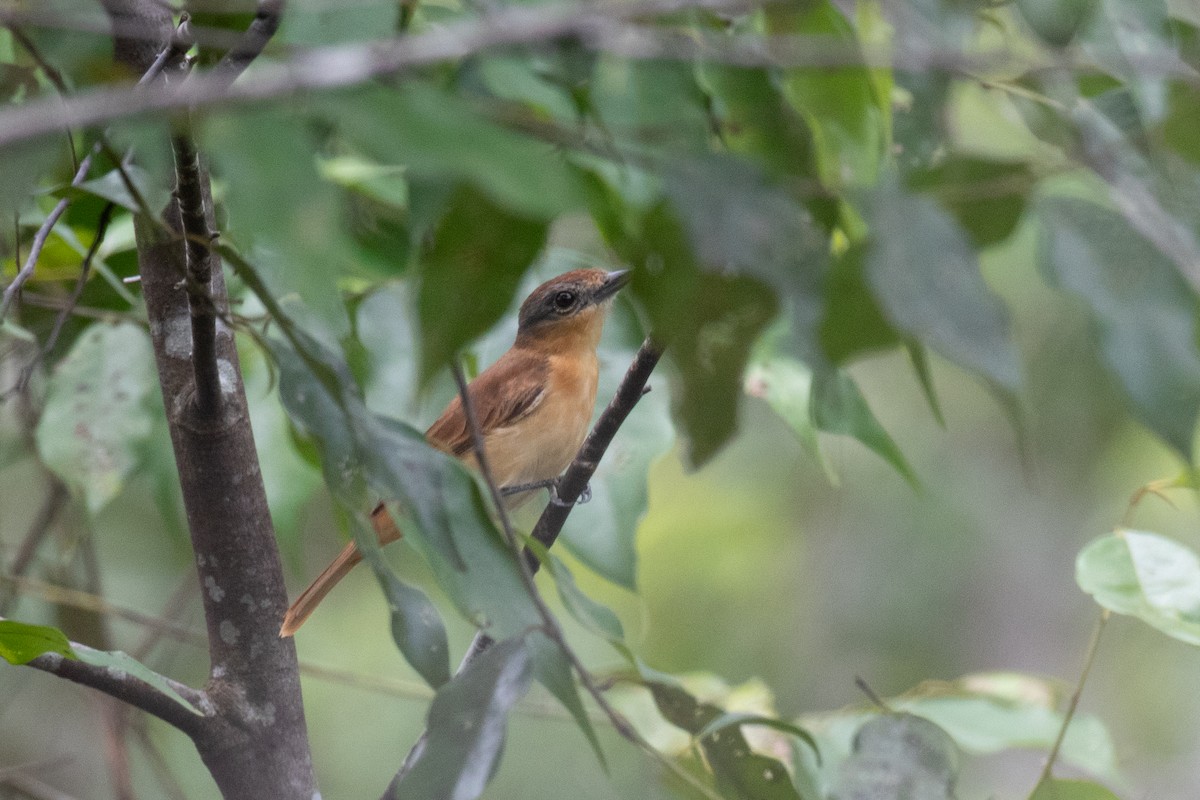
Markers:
20,642
466,726
100,408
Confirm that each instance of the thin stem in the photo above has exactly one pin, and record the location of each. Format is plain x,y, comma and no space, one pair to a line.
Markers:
1088,660
38,530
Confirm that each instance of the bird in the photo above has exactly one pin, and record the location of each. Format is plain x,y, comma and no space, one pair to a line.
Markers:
533,407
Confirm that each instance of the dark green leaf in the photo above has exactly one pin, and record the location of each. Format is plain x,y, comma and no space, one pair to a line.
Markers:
899,757
444,135
469,276
1145,318
1146,576
1061,789
417,628
466,726
22,165
1056,21
597,618
986,197
838,406
925,275
653,105
740,773
552,669
100,408
20,643
853,324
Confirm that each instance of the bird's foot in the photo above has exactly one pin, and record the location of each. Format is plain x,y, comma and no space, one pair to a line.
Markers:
584,496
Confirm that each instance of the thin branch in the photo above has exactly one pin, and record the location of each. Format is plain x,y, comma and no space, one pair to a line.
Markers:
593,24
128,688
43,233
1088,660
38,530
253,41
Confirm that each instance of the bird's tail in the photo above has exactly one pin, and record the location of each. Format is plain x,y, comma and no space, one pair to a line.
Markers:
306,603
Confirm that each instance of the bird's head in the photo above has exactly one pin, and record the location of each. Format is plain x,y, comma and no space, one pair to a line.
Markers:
569,310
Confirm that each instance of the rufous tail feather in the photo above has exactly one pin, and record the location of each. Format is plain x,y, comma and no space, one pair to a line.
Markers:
385,530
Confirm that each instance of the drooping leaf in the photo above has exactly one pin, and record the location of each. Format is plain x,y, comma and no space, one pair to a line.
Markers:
899,757
552,669
1145,318
925,276
417,629
99,413
838,406
20,642
853,322
786,385
1063,789
468,277
118,661
1146,576
597,618
466,726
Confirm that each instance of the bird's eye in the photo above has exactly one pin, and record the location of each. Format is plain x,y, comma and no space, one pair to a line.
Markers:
563,301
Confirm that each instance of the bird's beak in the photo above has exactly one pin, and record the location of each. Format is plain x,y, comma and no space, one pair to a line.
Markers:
613,283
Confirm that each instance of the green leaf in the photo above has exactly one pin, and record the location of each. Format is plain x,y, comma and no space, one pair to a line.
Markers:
111,186
597,618
444,135
986,197
731,719
1056,21
899,757
417,628
1145,318
925,276
1060,789
100,407
853,322
299,246
848,119
20,643
653,105
469,276
466,726
552,669
838,406
22,165
786,385
117,661
740,773
1146,576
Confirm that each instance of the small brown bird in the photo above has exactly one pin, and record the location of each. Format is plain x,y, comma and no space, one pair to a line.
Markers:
533,406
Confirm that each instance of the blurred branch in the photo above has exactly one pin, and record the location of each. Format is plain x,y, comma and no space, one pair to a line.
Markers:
253,41
38,530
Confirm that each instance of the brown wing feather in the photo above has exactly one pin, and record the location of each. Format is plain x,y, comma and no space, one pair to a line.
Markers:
501,395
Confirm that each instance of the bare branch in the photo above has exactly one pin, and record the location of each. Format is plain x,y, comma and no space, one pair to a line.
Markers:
38,530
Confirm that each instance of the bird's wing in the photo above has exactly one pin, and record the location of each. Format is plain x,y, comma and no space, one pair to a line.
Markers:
502,395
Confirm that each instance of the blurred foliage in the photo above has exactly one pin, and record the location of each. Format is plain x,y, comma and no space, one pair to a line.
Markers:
932,228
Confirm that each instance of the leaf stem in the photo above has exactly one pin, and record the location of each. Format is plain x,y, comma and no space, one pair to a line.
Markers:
1088,660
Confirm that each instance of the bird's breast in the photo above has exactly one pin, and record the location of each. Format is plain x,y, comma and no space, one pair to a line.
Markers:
541,446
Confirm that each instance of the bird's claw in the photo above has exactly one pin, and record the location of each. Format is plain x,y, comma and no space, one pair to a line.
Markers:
584,496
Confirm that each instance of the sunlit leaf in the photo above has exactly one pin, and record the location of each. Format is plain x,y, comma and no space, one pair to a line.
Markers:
100,407
1145,318
1146,576
466,726
20,643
